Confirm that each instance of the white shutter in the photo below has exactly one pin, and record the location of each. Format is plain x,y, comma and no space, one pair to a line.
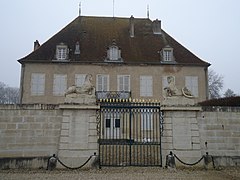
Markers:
146,84
123,83
79,79
37,84
102,82
59,84
191,82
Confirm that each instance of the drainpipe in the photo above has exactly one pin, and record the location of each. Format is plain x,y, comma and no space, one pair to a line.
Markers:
206,82
21,83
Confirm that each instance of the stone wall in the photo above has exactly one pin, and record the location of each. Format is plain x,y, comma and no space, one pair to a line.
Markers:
78,138
190,132
29,131
220,134
29,134
181,133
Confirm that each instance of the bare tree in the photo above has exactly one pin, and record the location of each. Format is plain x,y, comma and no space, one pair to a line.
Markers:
229,93
8,95
2,93
215,84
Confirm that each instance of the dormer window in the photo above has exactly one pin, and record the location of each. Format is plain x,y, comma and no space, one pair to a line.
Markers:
167,54
62,52
114,53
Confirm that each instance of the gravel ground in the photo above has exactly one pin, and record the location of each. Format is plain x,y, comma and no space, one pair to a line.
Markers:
135,173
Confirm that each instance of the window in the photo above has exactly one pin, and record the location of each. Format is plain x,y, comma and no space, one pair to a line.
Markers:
102,82
108,123
146,84
114,53
191,83
37,84
123,83
112,120
59,84
167,54
117,123
165,81
61,52
79,79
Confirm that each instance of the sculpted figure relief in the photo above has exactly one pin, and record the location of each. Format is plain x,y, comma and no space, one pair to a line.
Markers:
87,88
171,89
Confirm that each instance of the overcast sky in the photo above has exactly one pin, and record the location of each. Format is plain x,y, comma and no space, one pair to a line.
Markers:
208,28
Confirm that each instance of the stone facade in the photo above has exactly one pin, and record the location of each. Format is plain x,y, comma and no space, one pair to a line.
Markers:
157,72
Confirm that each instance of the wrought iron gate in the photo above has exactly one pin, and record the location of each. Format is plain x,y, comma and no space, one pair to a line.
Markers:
130,134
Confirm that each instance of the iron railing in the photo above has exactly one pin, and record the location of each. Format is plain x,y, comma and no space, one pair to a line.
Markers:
113,95
130,134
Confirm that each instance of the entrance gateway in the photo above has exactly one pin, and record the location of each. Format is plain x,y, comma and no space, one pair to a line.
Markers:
130,134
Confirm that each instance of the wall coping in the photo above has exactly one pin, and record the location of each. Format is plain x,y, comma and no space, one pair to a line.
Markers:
78,106
181,108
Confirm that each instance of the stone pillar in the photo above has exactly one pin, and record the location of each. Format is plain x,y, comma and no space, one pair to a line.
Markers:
181,133
78,139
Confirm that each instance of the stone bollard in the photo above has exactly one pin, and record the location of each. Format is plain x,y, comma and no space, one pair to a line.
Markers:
170,160
207,159
52,163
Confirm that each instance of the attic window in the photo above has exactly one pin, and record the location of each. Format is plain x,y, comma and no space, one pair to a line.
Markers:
62,52
167,54
114,53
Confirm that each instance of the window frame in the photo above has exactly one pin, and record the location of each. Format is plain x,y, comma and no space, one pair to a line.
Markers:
125,85
103,88
80,79
35,87
192,84
167,54
146,87
62,52
59,89
114,54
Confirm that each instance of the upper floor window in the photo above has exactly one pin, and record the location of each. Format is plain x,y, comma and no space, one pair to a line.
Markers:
191,83
114,53
37,84
146,86
102,82
62,52
167,54
79,79
123,83
59,84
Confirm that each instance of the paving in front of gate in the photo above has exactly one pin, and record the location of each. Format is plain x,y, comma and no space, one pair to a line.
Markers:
134,173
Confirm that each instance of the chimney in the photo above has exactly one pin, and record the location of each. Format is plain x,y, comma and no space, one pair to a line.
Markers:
156,25
131,23
36,45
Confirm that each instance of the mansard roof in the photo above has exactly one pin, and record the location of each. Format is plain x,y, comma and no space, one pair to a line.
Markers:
96,34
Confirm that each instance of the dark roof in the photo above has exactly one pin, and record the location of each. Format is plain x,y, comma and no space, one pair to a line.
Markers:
96,34
227,101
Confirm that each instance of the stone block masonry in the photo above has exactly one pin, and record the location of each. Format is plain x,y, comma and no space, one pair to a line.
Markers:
78,137
29,131
181,134
220,135
29,134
